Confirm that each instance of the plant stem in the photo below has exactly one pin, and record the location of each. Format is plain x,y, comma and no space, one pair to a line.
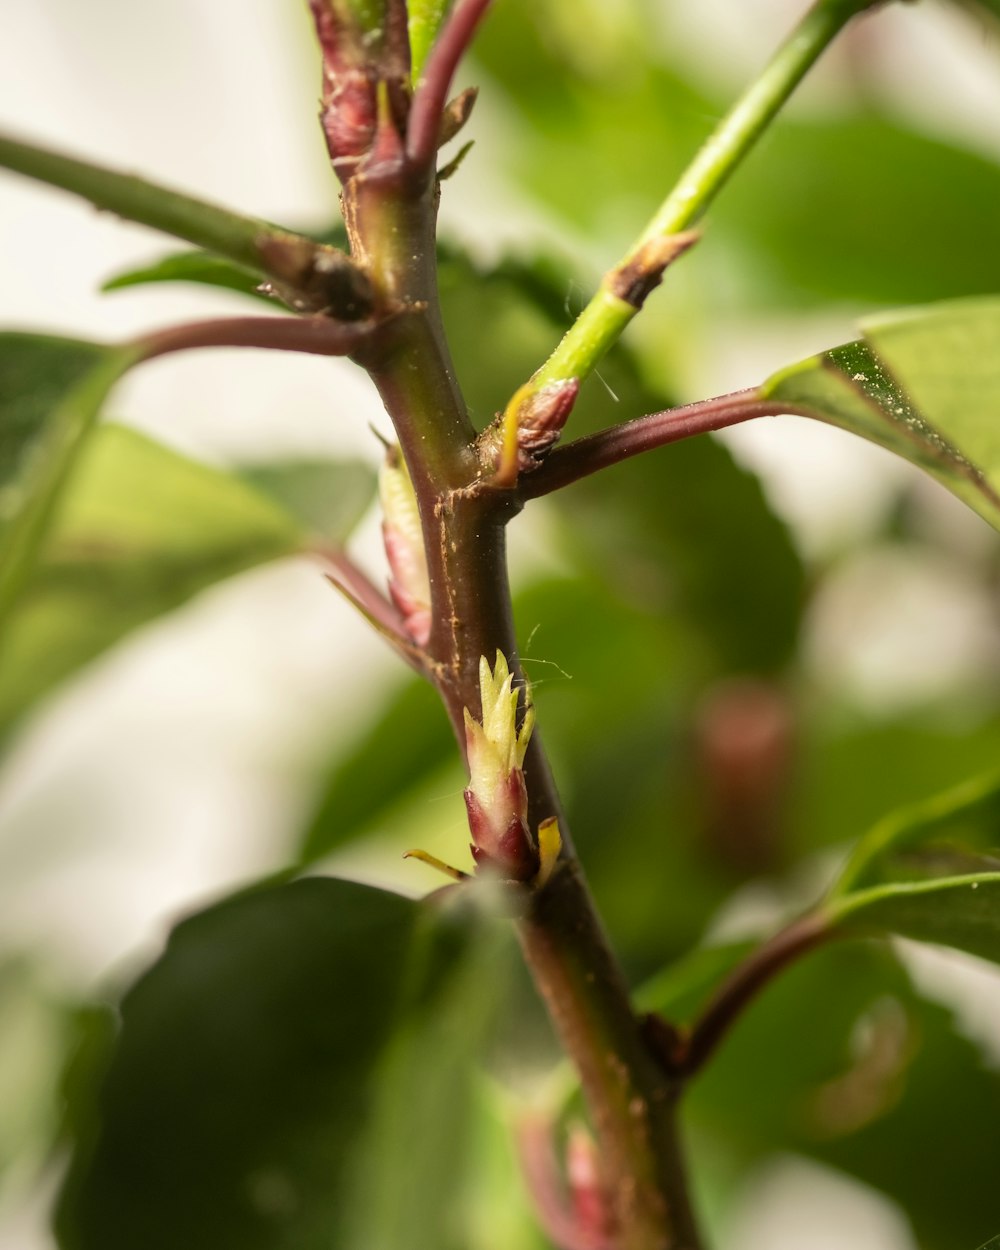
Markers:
630,1096
604,319
631,1101
568,464
266,248
435,81
746,981
317,336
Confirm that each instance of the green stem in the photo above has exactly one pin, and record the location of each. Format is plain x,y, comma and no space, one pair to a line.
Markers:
259,245
604,319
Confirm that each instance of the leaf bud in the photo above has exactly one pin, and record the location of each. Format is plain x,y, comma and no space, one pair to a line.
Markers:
409,583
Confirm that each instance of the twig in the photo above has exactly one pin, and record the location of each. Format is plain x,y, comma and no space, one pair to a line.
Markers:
432,91
281,254
605,318
579,459
318,336
745,982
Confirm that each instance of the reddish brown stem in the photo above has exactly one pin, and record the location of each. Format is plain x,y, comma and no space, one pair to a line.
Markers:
318,336
432,91
745,983
597,451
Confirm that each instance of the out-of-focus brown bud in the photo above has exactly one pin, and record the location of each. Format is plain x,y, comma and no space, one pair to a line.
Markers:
744,757
571,1202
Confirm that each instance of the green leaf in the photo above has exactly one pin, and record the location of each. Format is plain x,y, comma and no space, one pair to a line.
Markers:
326,498
683,987
931,872
32,1050
959,829
923,383
410,740
425,18
894,246
141,531
427,1096
202,268
292,1072
51,390
961,912
993,8
853,770
839,1059
589,97
209,269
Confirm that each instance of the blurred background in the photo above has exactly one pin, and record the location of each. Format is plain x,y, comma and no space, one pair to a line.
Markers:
778,635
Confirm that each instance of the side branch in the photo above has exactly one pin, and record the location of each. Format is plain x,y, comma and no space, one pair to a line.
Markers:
326,275
744,984
579,459
432,91
317,336
606,316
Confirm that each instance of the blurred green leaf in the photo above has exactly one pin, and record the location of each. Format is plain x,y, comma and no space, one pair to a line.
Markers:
683,987
141,531
409,740
840,1059
32,1049
590,95
203,268
209,269
686,531
326,498
425,18
51,390
894,245
853,770
962,912
290,1047
924,383
990,6
414,1173
960,829
931,872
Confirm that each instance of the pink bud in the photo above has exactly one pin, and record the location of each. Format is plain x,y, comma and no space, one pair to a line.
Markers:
541,418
